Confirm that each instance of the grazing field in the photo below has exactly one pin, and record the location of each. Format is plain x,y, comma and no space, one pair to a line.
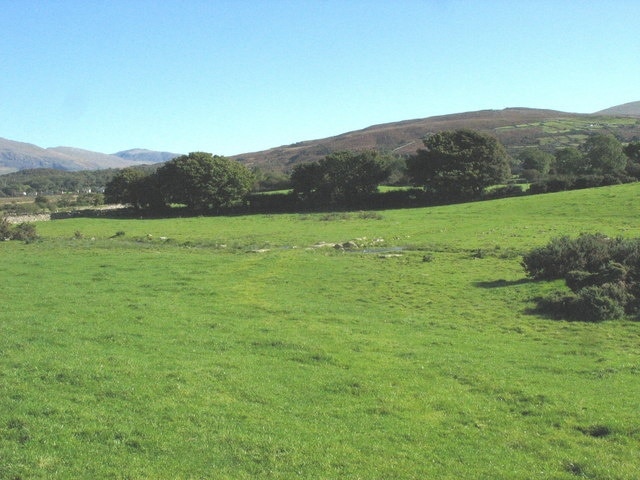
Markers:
249,347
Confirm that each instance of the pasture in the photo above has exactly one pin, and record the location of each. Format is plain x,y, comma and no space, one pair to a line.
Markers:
248,347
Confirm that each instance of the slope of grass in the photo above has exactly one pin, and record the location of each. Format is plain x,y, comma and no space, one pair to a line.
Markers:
235,348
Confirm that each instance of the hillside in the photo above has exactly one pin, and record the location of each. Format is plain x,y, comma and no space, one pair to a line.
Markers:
514,127
631,109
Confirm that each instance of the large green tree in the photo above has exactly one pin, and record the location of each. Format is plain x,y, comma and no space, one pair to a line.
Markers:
534,162
569,161
459,163
341,177
203,181
632,151
134,187
603,154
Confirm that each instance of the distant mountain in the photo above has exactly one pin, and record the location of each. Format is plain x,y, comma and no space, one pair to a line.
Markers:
140,155
514,127
631,109
16,156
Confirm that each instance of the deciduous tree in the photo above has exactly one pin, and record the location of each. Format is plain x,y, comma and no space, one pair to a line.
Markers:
341,177
203,181
535,160
130,186
632,151
459,164
569,161
604,154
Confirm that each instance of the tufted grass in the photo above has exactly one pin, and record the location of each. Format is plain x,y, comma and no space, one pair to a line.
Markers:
234,348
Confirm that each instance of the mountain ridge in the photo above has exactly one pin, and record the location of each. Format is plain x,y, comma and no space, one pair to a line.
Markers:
15,156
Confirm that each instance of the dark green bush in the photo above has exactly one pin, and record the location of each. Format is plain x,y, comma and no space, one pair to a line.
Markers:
503,192
562,255
23,231
578,279
603,274
600,302
5,229
612,272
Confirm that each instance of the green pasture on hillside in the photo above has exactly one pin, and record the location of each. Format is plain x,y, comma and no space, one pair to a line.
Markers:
248,347
565,132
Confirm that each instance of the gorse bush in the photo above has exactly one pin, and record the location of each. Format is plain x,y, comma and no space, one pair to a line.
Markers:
5,229
603,274
596,303
588,252
24,231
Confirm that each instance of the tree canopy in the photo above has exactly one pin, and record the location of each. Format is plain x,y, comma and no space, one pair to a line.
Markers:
134,187
459,163
569,161
203,181
604,154
632,150
342,177
535,160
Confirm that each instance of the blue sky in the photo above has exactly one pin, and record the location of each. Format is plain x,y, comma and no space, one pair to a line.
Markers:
234,76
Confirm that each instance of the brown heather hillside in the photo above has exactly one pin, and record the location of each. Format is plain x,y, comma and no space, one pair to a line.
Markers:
515,128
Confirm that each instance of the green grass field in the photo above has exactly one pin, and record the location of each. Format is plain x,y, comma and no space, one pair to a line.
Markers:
235,347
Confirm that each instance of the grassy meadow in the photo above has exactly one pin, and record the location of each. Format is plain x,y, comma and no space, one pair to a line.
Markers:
239,348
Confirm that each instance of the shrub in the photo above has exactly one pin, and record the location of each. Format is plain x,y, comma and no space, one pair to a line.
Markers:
588,181
370,215
559,184
600,302
538,188
579,279
602,273
503,192
563,255
5,229
23,231
42,202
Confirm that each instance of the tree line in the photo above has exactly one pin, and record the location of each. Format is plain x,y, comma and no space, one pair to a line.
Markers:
456,165
452,166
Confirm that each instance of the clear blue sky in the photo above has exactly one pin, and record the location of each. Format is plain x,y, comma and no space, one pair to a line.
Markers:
234,76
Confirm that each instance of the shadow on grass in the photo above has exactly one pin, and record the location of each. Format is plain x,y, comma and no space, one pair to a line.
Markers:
550,310
557,307
503,283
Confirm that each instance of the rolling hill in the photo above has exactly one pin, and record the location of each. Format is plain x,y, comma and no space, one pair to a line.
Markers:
514,127
631,109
